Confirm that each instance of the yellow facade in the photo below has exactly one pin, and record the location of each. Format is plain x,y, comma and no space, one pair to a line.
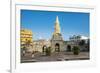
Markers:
25,36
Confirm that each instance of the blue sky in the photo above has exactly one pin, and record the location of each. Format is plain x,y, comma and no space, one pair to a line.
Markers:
42,23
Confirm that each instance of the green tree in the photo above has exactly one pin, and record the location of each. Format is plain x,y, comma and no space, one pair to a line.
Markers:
82,43
48,51
76,50
23,51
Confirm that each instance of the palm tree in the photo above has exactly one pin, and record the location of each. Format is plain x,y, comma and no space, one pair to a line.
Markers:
28,42
23,51
28,45
88,45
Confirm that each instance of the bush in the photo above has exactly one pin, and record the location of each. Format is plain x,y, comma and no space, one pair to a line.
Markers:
76,50
48,51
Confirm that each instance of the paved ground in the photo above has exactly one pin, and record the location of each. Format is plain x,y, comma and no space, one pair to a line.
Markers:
61,56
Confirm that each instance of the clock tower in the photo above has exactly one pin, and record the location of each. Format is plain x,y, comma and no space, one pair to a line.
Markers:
57,40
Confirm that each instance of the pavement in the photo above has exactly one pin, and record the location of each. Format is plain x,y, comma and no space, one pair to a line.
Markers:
56,56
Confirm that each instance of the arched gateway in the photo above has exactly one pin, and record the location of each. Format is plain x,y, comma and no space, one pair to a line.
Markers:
44,48
57,47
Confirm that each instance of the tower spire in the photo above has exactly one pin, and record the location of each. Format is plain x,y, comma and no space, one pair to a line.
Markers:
57,25
57,20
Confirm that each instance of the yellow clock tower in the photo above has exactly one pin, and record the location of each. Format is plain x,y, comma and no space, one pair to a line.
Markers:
57,40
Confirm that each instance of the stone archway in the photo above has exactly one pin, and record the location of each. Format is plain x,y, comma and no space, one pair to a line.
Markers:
57,47
44,48
69,48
